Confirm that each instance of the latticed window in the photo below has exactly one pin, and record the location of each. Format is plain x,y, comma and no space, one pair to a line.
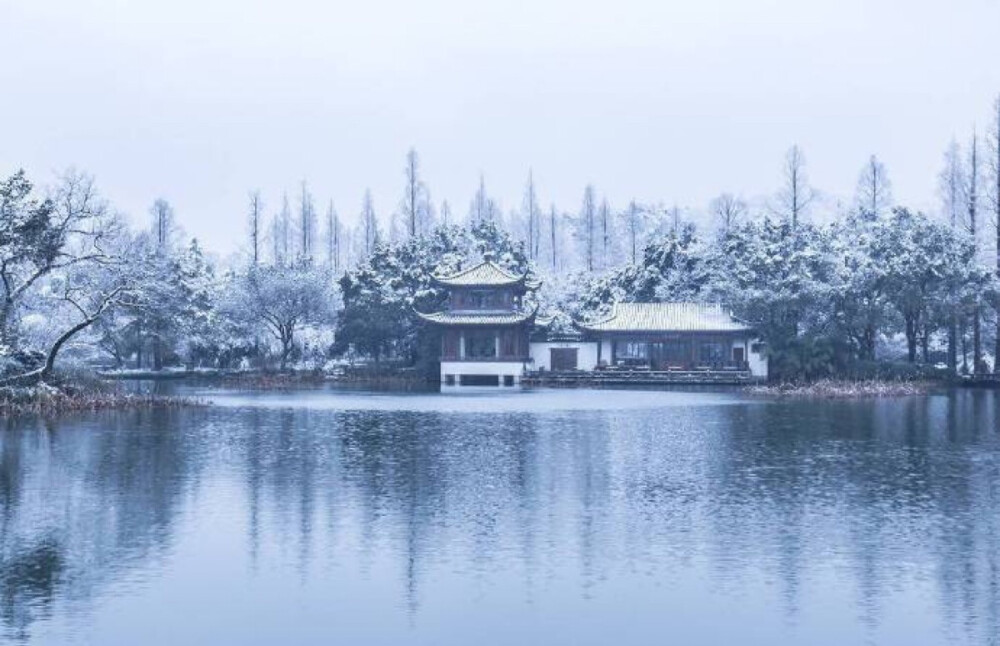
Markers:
711,352
450,344
633,350
480,344
508,343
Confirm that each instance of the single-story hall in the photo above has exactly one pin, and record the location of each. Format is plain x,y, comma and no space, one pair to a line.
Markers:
489,337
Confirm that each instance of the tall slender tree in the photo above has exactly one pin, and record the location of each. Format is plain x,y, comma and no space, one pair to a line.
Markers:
163,225
445,213
605,215
415,207
334,233
993,191
873,196
728,210
973,198
587,226
369,225
483,208
951,186
553,235
254,216
796,194
532,216
675,219
307,224
633,227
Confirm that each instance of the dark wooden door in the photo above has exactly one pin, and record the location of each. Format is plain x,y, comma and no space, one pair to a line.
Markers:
738,356
562,358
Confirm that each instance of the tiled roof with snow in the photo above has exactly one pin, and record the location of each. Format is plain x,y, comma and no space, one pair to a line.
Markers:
483,318
667,317
485,274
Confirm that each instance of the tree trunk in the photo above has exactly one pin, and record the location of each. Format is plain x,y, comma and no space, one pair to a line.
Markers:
965,346
869,349
911,339
286,346
953,343
996,346
977,348
157,351
50,358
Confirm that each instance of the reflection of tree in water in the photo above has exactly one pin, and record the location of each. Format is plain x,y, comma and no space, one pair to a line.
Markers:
82,500
27,585
788,494
888,485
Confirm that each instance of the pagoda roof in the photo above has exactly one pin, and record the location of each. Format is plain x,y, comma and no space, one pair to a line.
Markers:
485,274
479,318
667,317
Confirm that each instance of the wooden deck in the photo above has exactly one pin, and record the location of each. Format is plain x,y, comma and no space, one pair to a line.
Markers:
638,377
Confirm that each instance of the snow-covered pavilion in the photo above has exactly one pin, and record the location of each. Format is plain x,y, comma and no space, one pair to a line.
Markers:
485,326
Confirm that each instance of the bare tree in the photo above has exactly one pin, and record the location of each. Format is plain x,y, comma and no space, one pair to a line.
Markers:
796,194
587,225
445,213
415,205
307,224
334,234
873,195
634,226
255,215
532,216
605,215
993,191
163,225
553,229
728,210
972,226
281,233
951,186
479,209
369,225
56,242
90,301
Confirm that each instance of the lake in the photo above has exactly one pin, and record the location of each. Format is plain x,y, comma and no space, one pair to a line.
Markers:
543,517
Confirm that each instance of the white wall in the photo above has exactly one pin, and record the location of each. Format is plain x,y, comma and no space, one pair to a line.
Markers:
757,361
586,355
500,368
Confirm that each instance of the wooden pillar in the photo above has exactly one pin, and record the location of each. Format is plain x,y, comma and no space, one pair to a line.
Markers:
461,344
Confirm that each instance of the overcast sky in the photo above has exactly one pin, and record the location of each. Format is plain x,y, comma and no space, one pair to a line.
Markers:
199,101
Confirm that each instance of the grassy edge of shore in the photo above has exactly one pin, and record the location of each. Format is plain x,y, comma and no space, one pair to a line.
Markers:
45,399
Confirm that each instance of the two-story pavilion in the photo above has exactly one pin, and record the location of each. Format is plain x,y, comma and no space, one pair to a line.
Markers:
484,326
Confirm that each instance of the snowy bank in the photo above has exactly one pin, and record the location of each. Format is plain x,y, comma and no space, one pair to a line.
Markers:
840,389
46,399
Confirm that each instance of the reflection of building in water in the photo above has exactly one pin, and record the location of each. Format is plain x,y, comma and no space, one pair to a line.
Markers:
801,508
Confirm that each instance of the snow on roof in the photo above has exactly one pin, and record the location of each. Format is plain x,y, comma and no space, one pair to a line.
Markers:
485,274
466,318
667,317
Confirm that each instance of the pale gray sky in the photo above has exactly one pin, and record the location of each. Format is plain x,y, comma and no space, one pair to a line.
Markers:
200,100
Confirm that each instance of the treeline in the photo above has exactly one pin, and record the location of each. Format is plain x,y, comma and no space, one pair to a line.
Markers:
874,281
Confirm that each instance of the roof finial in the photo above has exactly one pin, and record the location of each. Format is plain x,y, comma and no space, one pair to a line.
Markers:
488,256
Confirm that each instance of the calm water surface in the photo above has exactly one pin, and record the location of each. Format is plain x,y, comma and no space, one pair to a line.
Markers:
547,517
